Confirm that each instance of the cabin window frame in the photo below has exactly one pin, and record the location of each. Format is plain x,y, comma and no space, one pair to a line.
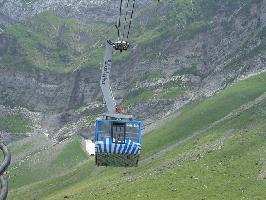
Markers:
99,132
115,125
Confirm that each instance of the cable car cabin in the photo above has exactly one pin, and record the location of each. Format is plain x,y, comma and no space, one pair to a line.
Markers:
118,142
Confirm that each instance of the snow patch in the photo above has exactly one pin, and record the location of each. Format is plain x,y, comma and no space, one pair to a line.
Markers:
90,147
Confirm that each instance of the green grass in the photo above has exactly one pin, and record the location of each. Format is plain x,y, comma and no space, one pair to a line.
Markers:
137,97
15,124
72,150
52,43
207,112
81,173
221,163
43,165
153,75
120,57
171,93
195,28
147,37
184,71
95,57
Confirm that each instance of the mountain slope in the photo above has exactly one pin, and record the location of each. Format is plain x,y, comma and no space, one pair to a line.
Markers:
50,42
181,51
34,158
226,160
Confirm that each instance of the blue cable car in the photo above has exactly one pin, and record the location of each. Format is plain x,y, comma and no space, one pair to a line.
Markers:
117,136
118,142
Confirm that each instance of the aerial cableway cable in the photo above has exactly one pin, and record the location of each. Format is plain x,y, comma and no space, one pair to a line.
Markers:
3,168
126,15
123,26
119,20
131,18
129,7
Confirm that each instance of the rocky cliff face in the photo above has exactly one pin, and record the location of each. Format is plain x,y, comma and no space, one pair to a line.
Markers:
160,74
44,91
230,46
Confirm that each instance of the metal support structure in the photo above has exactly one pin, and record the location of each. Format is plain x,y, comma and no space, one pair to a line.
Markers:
106,86
120,45
105,79
3,168
4,187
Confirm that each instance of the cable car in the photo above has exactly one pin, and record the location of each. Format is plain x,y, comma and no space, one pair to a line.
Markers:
118,142
117,136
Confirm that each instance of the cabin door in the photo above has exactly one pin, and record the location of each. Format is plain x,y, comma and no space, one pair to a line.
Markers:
118,132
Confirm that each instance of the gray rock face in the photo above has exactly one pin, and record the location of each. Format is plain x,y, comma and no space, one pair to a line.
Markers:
89,10
44,91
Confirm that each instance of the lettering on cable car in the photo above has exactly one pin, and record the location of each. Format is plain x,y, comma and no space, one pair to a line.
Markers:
106,71
132,125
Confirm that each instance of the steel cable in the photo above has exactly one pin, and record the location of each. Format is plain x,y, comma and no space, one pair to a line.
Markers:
3,168
119,20
127,23
131,18
126,15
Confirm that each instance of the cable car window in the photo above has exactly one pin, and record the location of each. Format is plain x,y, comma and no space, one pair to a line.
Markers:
118,132
132,132
104,130
101,130
107,129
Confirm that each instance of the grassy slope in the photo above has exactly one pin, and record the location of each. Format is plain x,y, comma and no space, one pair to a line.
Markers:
44,164
54,43
62,45
221,163
209,111
14,124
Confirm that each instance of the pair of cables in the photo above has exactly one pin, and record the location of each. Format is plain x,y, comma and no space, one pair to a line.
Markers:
125,18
